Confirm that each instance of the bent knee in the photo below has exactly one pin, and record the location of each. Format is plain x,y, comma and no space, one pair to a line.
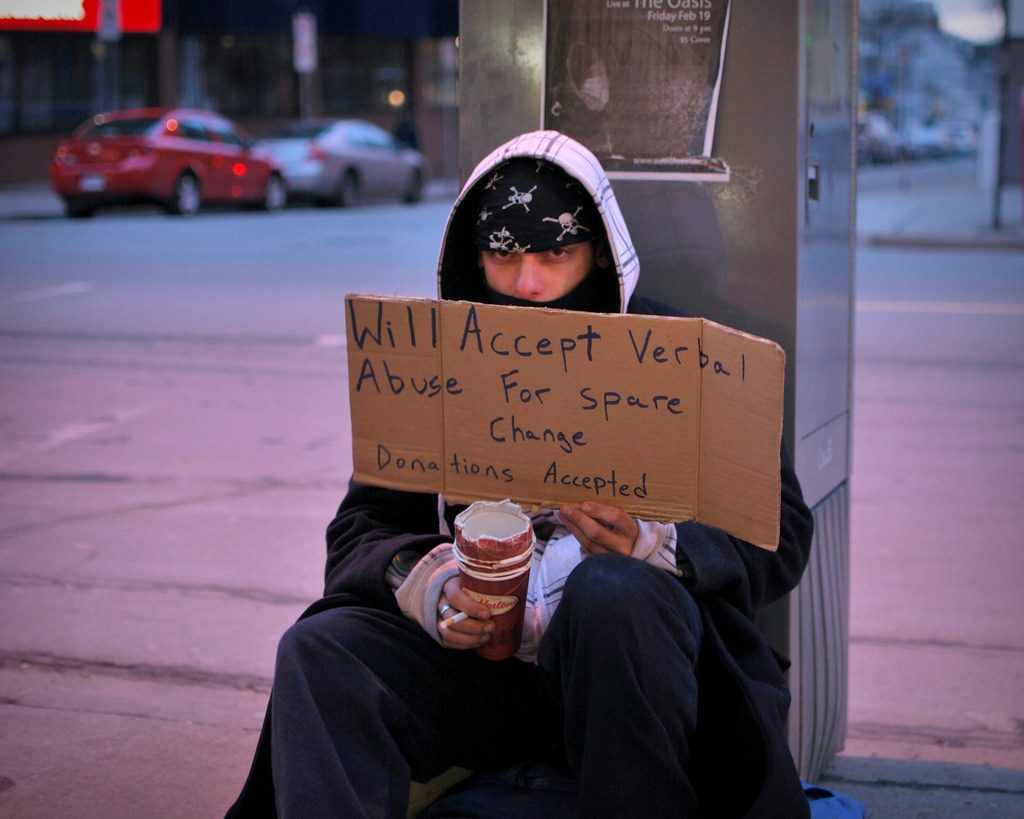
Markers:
315,636
609,578
297,641
621,589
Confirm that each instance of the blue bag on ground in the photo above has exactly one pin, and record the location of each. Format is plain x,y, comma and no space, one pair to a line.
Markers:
826,804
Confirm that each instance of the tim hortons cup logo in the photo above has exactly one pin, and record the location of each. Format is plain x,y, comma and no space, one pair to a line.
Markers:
497,603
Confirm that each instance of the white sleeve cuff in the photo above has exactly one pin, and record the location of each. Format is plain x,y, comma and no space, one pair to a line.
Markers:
652,535
417,597
656,544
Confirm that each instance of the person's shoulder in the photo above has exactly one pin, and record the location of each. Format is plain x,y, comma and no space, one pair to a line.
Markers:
644,306
365,493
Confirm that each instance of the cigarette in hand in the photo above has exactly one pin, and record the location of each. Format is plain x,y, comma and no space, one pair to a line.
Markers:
455,618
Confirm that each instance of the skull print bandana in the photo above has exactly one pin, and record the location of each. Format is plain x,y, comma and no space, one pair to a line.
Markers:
529,205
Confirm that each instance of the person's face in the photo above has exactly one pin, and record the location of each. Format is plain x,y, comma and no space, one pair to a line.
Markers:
538,277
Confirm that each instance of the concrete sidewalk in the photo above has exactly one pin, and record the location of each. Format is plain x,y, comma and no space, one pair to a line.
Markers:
940,205
899,788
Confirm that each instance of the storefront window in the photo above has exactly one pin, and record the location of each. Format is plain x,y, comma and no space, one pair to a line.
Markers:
35,85
6,85
54,82
442,60
248,77
53,86
138,74
72,66
357,75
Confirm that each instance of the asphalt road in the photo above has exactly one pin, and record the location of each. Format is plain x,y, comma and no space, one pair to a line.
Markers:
174,438
221,273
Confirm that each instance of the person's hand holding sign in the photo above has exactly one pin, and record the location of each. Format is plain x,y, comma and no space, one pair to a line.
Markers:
601,528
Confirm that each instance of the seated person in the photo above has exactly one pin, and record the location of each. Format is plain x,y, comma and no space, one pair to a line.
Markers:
641,673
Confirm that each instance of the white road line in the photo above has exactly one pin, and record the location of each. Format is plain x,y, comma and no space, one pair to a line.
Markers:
330,341
66,433
972,308
69,289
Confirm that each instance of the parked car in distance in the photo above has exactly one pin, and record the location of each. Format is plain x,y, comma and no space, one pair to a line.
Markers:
344,162
178,158
876,140
921,141
963,138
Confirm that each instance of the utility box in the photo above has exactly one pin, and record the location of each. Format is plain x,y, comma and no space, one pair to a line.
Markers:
749,223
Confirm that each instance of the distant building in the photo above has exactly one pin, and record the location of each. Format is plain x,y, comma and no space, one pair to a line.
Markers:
380,60
917,75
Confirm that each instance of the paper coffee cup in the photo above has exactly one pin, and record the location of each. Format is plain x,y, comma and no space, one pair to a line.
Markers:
494,549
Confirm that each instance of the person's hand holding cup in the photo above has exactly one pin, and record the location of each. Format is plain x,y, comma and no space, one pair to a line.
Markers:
494,549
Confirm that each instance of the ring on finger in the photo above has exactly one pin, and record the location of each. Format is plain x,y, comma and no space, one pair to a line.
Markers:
443,611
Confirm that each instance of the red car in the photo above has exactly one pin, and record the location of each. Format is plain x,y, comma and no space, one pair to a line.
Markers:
178,158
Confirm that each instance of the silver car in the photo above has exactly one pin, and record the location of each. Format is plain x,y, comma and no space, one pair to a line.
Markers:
344,162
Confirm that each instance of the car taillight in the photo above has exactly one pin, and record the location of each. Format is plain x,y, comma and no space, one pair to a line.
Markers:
316,152
64,156
138,153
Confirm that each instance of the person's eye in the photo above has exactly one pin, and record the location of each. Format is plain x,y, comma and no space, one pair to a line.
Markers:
558,252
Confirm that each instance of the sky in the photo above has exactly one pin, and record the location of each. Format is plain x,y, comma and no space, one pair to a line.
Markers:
980,21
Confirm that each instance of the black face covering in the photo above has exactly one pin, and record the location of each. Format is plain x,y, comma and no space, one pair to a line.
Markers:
591,295
529,205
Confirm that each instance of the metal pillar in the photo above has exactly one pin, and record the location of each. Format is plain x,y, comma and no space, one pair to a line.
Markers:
769,251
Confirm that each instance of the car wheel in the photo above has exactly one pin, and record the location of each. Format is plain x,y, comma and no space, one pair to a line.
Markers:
275,194
77,209
347,193
186,198
414,192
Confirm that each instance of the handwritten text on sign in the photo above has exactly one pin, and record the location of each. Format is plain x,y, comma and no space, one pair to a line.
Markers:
549,407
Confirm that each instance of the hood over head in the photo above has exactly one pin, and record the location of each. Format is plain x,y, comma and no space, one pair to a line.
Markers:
497,209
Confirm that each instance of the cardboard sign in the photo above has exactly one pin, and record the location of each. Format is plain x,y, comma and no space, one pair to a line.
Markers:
670,419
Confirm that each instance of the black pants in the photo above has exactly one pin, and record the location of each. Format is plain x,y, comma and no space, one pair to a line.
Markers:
364,701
